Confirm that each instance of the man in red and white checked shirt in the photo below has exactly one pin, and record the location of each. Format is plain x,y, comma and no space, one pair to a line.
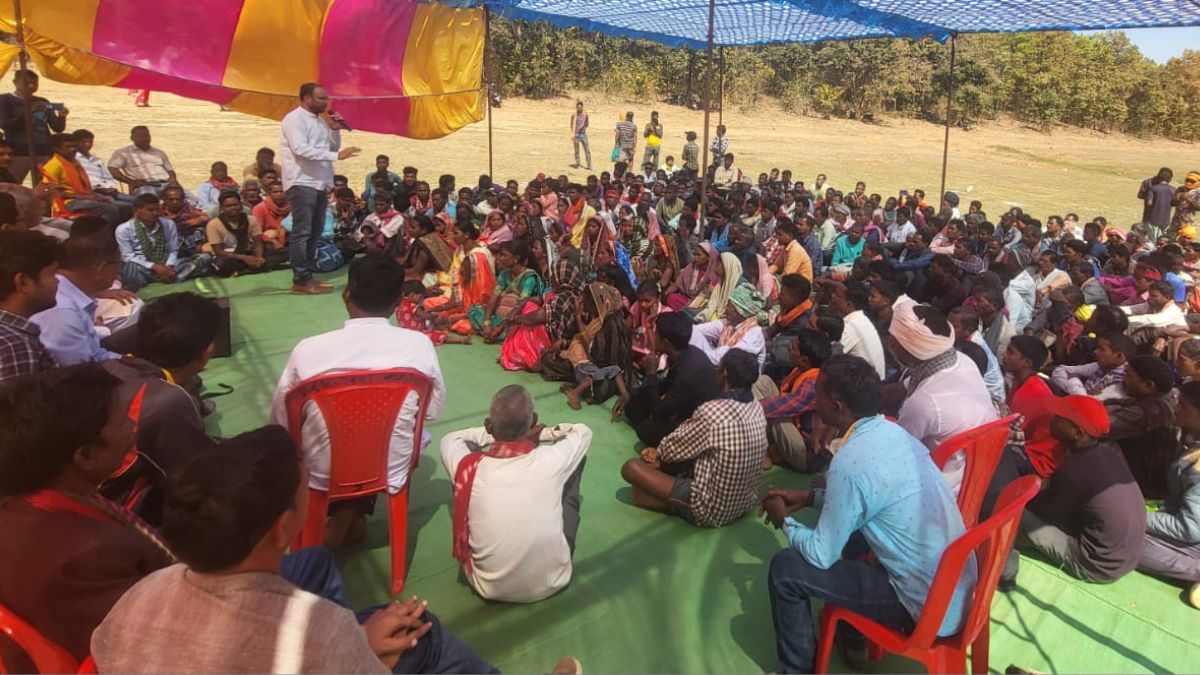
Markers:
707,471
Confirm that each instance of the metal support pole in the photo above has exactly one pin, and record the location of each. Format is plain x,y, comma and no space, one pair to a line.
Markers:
708,50
691,76
949,112
35,173
487,89
720,87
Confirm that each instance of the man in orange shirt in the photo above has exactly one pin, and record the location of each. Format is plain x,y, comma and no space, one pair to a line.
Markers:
793,259
76,196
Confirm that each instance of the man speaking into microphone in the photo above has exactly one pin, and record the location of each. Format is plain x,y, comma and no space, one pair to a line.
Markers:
310,144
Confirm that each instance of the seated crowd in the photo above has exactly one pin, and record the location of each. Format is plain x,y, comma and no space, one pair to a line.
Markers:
734,325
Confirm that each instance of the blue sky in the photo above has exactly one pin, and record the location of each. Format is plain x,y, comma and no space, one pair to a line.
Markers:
1161,44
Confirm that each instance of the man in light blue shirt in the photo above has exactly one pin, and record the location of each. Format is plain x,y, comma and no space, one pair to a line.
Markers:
149,246
309,147
88,265
882,486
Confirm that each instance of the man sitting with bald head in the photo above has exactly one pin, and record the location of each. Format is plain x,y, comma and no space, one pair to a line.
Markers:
516,499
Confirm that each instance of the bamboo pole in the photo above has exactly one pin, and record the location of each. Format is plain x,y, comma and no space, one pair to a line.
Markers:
949,112
708,52
720,87
487,89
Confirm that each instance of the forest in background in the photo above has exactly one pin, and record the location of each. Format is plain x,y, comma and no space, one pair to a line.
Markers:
1094,81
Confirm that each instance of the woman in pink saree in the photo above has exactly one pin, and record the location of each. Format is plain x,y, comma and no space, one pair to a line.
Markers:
695,278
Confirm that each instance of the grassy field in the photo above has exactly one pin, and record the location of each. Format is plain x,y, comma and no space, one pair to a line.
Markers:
1001,164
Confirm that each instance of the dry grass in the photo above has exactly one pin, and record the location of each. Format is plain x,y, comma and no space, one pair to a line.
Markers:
999,163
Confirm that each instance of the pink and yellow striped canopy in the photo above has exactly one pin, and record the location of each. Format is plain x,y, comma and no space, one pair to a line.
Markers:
392,66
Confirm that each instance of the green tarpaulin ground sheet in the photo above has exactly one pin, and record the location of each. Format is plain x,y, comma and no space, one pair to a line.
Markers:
649,592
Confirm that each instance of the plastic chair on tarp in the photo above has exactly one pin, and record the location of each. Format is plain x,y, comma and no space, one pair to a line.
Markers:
47,657
983,446
990,541
360,409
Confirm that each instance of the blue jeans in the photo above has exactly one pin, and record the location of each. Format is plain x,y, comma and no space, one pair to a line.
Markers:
308,221
313,570
794,582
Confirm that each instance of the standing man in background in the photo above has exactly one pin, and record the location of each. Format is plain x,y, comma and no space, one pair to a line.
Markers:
310,144
719,146
626,138
579,126
654,135
47,118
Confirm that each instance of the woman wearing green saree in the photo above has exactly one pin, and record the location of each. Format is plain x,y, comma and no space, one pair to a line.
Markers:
516,284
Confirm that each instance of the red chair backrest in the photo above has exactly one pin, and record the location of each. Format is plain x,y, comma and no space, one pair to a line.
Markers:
983,446
990,541
47,657
360,409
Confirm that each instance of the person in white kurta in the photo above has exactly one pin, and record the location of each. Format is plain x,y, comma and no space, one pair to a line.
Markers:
367,342
521,536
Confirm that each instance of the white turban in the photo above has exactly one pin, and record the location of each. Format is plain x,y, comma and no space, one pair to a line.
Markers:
913,335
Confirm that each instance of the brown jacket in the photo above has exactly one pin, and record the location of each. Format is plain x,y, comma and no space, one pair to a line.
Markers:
62,572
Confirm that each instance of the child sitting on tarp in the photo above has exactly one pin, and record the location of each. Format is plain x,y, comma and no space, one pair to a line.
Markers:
411,314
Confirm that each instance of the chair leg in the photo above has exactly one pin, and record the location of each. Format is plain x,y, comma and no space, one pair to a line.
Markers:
398,526
313,533
947,660
979,652
825,640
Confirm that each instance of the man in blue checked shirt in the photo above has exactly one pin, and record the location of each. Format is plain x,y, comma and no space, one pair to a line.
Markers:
881,490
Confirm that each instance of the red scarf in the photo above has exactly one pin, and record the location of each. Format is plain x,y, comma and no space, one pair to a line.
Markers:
98,508
571,217
227,184
464,480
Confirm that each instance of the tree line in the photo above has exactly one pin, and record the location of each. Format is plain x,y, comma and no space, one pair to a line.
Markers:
1095,81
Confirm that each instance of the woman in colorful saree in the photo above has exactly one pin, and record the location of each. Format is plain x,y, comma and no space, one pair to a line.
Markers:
473,271
516,284
428,254
545,326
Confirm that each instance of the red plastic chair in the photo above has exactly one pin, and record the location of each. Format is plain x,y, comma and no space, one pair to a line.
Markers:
47,657
983,445
990,541
360,410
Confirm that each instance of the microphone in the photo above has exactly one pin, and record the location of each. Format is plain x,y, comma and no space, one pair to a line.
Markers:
337,117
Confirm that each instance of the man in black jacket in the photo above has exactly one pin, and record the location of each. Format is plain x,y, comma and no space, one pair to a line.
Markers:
661,405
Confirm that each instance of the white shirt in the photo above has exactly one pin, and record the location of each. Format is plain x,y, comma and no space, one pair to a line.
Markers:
363,344
518,550
859,338
150,164
726,176
946,403
1019,298
994,377
706,336
97,172
898,234
1141,315
207,195
307,149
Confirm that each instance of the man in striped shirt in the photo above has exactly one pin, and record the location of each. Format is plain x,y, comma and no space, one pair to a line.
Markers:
626,138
